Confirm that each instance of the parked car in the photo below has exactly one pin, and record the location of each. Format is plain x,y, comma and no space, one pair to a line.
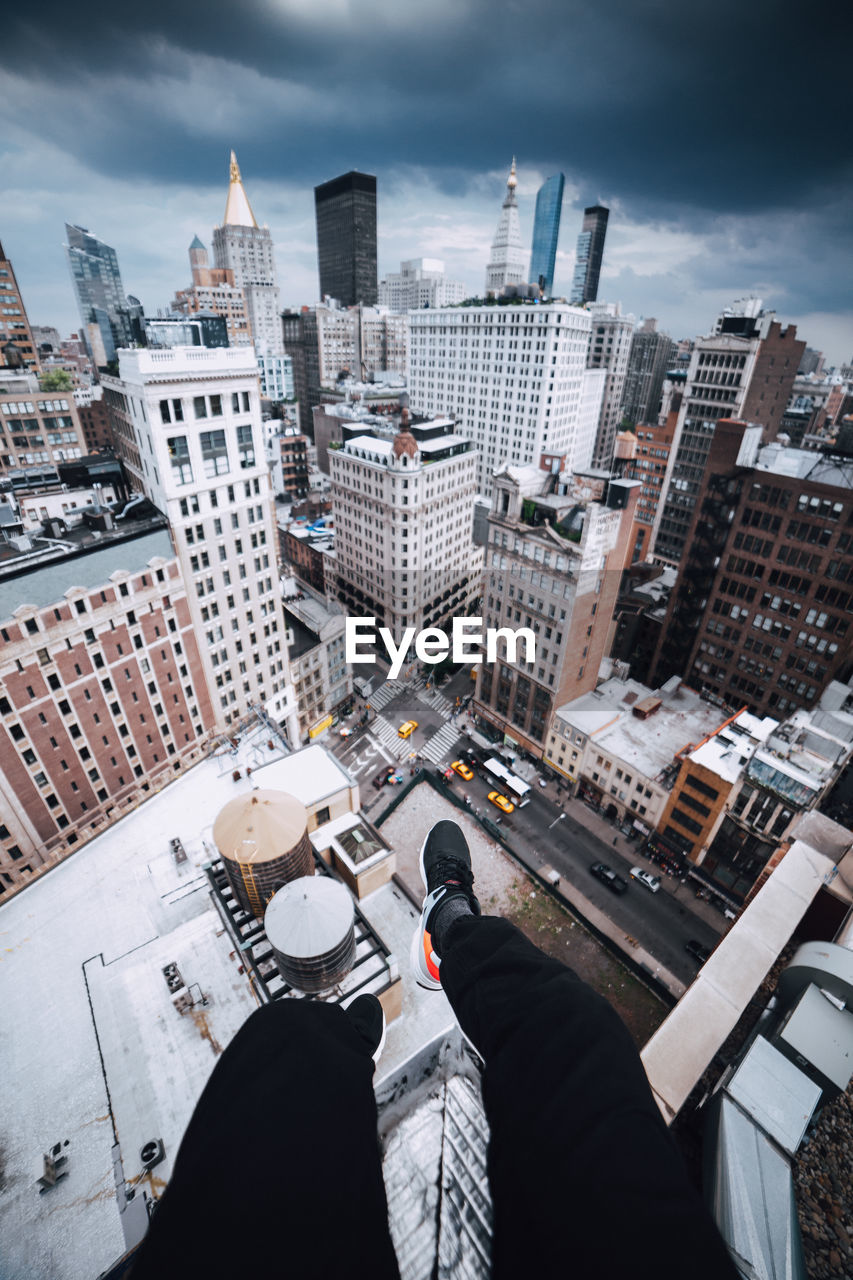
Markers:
501,802
646,878
407,728
459,766
609,877
697,950
380,779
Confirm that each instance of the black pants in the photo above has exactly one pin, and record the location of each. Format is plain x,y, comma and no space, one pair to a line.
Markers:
279,1172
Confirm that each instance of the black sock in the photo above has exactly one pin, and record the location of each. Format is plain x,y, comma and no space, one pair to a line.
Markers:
449,911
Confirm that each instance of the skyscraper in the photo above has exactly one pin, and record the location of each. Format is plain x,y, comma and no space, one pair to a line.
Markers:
609,347
512,377
649,360
758,614
345,210
748,374
590,251
105,313
546,229
246,250
508,260
17,347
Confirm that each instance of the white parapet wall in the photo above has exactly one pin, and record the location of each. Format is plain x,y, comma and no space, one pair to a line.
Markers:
682,1047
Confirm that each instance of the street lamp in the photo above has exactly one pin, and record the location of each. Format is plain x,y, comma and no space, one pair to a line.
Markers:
556,820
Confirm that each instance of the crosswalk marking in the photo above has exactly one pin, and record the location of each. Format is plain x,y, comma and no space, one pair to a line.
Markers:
388,736
435,699
385,693
440,743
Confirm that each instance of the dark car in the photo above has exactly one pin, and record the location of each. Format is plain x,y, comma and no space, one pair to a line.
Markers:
609,877
381,778
697,950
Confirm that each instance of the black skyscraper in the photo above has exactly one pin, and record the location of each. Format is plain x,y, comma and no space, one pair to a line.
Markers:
346,238
589,254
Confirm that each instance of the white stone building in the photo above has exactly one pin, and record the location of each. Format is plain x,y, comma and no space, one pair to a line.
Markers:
276,375
589,416
420,282
403,512
187,424
508,260
243,247
511,376
609,348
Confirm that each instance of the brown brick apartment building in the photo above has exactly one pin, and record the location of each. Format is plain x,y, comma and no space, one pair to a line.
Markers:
760,614
746,375
643,455
102,694
17,348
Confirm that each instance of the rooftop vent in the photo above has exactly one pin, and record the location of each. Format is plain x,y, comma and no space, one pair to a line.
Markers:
647,707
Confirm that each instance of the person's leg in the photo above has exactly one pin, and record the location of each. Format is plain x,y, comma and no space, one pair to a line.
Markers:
584,1175
279,1170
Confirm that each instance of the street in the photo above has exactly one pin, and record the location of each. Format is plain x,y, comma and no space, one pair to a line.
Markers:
661,922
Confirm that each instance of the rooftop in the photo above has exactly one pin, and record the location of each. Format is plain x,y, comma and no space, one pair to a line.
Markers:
312,774
729,751
648,744
173,364
82,559
797,464
84,950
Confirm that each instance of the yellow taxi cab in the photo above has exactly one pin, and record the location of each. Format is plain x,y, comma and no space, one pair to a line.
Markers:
460,767
501,801
407,728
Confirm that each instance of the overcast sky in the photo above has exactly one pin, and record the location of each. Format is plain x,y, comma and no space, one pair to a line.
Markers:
712,130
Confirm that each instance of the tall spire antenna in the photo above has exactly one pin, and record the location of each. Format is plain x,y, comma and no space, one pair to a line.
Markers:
238,211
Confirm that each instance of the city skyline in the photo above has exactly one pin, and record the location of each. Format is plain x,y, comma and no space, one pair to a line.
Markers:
713,203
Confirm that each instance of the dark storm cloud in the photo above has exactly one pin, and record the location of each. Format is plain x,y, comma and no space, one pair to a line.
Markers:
720,106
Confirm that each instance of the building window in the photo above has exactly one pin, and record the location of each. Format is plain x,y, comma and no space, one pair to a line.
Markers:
245,447
179,456
214,453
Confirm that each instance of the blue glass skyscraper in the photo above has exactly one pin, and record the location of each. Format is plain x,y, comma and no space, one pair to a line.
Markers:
546,229
109,320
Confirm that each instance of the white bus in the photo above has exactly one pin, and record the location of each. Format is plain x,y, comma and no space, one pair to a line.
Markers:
514,785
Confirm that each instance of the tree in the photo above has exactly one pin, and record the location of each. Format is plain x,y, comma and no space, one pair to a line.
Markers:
56,380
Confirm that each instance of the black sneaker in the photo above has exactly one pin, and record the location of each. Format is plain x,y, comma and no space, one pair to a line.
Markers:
368,1018
445,865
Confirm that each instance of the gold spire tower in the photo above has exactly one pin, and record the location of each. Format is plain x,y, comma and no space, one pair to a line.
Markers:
238,211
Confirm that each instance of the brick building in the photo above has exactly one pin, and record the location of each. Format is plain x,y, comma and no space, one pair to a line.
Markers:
554,560
102,693
310,554
17,347
643,455
738,793
747,374
94,419
37,428
759,615
293,449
